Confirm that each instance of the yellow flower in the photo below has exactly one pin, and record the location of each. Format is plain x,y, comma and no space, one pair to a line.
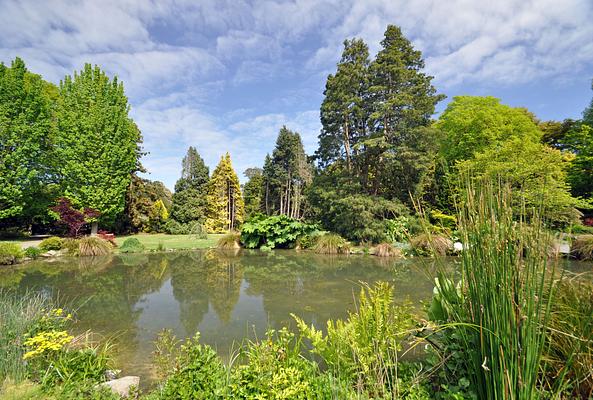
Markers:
46,341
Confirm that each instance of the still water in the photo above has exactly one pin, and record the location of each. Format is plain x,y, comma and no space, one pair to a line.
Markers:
226,297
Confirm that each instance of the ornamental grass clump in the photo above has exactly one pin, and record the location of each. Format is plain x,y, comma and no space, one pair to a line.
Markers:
430,244
93,246
582,247
331,243
229,241
386,250
10,253
499,312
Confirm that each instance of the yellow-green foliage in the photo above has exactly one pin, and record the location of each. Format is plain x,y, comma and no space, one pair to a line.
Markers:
386,250
51,243
331,243
93,246
364,347
72,246
10,253
225,202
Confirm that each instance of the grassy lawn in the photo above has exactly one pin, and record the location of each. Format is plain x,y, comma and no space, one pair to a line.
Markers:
152,241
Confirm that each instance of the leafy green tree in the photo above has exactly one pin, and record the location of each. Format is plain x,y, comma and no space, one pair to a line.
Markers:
253,191
472,124
286,174
580,173
98,144
588,114
533,169
554,132
27,129
224,199
189,200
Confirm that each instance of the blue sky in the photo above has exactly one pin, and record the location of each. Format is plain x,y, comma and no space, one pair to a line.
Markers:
226,75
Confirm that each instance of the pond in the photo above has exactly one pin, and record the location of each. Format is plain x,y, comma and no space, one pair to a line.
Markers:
226,297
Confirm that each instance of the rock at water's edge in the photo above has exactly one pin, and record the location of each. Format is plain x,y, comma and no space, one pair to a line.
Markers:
122,386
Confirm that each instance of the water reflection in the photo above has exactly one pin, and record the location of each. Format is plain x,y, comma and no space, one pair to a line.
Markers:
225,296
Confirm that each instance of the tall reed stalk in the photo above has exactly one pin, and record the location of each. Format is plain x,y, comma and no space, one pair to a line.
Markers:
501,310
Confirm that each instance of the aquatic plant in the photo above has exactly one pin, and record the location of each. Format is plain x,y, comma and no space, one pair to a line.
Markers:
93,246
331,243
498,315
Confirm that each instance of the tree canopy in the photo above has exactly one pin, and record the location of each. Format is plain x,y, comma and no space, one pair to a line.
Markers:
225,202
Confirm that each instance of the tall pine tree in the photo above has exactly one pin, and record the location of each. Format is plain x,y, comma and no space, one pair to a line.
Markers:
286,174
189,200
225,202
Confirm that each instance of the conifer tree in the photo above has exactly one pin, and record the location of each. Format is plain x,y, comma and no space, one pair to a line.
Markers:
253,191
286,174
225,202
189,200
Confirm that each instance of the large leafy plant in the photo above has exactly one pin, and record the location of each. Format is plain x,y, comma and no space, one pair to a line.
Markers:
274,231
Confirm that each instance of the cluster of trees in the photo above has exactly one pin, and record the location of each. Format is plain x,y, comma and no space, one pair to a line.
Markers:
380,150
73,141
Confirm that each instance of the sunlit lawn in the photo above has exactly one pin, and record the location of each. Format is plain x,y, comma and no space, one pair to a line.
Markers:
152,241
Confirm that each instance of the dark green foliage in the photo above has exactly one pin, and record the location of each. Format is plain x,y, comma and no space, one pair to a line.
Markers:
10,253
285,176
588,114
357,217
51,243
141,196
253,192
191,228
98,145
197,372
189,201
33,252
580,173
274,231
131,245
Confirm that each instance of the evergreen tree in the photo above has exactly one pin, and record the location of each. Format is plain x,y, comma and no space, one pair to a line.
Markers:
588,114
286,174
253,191
345,109
26,133
98,144
189,200
141,196
225,203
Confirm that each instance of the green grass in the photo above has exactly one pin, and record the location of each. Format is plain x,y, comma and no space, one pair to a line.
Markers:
176,242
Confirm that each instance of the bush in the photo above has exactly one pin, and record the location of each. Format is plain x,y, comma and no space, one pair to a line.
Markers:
51,243
33,252
272,232
71,246
431,244
582,247
93,246
331,243
364,348
581,229
10,253
131,245
386,250
229,241
191,228
192,370
442,220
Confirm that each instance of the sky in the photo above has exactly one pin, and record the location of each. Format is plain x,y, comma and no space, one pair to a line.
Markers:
225,75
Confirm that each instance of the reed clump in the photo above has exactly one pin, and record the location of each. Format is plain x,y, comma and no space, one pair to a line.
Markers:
331,243
386,250
93,246
230,241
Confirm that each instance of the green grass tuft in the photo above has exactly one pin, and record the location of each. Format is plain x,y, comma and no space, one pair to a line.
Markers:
93,246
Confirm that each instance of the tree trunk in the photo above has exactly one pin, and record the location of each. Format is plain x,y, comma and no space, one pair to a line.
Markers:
347,144
94,228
